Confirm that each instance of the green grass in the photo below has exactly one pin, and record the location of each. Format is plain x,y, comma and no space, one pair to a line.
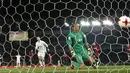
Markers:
89,69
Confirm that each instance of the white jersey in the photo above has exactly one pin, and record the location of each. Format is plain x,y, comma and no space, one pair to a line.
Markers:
41,46
18,58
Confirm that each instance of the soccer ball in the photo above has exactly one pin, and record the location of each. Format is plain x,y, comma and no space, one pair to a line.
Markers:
124,21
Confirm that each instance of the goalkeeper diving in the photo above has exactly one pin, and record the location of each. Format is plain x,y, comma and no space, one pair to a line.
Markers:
78,46
41,46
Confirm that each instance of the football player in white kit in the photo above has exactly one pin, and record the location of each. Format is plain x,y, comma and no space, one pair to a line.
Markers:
0,59
41,46
18,60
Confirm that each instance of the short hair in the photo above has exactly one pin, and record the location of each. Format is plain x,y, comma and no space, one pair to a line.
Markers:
75,24
37,37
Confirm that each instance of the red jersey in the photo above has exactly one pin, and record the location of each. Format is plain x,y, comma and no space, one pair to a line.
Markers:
96,49
128,48
31,54
50,58
65,57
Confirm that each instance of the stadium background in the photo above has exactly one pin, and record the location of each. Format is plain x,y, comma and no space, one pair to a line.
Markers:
46,18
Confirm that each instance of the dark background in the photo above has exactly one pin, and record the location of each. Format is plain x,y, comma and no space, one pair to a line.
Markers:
46,18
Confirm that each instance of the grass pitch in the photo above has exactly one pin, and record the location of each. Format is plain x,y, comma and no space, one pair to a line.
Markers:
55,69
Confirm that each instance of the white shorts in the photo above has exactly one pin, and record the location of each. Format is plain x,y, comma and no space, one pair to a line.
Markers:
18,61
41,55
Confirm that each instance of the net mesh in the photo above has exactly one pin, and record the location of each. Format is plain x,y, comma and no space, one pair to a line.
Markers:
52,21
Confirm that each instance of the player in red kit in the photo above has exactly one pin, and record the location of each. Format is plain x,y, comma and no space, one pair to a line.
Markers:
50,60
128,47
96,50
31,57
128,51
65,59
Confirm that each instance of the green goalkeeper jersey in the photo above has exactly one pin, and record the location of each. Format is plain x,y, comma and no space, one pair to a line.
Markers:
77,42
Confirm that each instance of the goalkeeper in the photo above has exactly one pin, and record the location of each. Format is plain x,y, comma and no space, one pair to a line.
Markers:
78,46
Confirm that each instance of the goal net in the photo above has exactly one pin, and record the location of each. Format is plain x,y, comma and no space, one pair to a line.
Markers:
21,21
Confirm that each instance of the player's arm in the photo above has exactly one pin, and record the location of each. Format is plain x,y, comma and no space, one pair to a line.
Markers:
70,44
45,44
36,47
87,45
85,41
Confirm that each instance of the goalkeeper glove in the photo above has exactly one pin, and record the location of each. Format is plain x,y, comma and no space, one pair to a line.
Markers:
72,53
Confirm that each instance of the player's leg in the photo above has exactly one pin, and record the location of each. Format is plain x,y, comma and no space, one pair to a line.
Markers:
30,61
40,62
73,60
80,62
43,58
18,63
75,64
39,58
90,58
0,62
95,57
97,60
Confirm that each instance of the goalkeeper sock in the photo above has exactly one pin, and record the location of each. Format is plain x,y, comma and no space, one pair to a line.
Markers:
75,64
